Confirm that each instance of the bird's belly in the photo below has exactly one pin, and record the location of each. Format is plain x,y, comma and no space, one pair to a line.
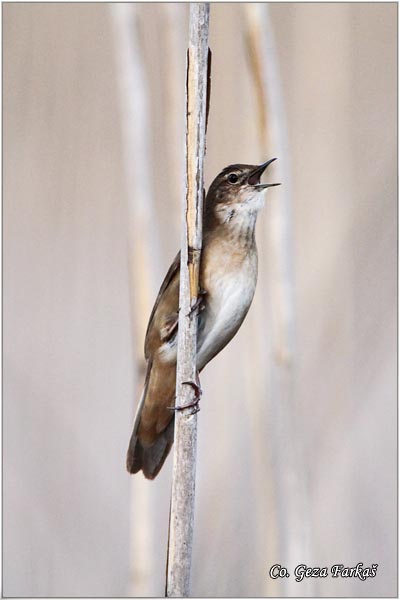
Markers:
227,302
228,299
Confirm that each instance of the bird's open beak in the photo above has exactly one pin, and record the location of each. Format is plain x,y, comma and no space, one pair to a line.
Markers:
255,176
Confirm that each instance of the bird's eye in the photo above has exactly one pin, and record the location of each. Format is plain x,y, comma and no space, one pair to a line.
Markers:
233,178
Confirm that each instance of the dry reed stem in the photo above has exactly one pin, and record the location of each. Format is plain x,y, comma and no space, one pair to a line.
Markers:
184,466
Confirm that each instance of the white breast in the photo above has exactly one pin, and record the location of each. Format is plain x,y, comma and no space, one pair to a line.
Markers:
228,300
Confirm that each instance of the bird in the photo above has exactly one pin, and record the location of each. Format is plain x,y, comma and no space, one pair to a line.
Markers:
227,278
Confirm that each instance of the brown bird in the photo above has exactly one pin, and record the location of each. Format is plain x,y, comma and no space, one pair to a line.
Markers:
228,276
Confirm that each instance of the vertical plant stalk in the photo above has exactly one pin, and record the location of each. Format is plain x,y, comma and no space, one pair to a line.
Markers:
272,138
290,487
144,259
184,465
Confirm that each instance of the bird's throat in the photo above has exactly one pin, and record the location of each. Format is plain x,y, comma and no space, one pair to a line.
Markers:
236,223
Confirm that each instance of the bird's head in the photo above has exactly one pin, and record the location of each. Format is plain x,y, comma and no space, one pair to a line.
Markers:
237,189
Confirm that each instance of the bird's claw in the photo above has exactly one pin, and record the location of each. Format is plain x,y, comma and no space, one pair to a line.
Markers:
195,403
199,304
197,389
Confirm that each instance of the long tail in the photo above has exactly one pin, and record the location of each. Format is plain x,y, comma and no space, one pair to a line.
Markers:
148,458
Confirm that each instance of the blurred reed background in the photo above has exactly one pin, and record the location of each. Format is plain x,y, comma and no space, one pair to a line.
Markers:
297,432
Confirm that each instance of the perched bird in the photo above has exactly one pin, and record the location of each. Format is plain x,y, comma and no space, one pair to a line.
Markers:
228,276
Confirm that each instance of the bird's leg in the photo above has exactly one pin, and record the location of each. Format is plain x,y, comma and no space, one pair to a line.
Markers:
197,395
199,304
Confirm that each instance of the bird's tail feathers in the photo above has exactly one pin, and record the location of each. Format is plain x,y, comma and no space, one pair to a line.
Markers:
148,458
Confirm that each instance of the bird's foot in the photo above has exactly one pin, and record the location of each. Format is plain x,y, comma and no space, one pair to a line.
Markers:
198,392
195,403
199,304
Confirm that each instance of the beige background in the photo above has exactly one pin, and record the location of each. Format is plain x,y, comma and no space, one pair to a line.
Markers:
92,180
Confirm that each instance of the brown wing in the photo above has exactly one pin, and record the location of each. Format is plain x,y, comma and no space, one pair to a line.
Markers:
165,308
